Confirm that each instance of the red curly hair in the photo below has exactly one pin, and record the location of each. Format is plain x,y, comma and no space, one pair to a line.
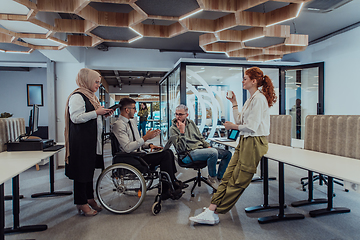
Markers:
263,81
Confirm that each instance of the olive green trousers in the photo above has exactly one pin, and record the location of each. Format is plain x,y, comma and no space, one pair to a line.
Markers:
239,172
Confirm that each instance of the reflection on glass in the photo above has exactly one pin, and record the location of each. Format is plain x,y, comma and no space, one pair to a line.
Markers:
163,112
301,97
206,88
174,92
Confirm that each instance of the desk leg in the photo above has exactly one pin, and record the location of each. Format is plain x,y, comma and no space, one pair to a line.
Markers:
281,216
265,171
52,192
2,211
16,213
262,171
329,209
310,200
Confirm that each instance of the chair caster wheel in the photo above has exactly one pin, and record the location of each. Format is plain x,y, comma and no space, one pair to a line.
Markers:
192,195
156,208
346,190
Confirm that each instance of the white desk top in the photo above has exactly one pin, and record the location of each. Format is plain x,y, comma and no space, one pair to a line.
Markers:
14,163
331,165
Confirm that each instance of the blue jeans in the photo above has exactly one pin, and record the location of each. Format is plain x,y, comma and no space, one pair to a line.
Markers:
141,127
211,155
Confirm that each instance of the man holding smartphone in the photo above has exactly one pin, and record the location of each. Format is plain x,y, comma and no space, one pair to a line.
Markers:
191,140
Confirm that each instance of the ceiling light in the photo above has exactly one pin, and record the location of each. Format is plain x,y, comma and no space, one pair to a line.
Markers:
190,14
253,38
301,5
134,39
19,52
295,44
136,31
280,22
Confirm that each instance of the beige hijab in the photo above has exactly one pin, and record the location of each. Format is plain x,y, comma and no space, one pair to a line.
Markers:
85,80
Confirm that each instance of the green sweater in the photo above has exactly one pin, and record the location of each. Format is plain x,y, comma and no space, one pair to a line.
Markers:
190,140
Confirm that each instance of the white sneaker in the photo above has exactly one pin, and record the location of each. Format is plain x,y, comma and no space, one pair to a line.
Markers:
206,217
213,181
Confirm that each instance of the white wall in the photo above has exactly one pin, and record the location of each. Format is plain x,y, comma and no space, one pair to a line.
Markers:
342,79
64,85
13,93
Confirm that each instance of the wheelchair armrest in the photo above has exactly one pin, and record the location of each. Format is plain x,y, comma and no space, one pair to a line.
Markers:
136,155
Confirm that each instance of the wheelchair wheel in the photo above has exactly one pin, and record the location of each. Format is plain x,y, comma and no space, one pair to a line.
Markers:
156,208
121,188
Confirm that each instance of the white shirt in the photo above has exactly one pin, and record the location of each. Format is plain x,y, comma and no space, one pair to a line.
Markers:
254,119
122,131
78,115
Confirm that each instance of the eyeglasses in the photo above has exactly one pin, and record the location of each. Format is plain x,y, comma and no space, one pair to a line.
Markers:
180,114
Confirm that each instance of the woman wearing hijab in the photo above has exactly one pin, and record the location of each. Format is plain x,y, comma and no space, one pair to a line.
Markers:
83,139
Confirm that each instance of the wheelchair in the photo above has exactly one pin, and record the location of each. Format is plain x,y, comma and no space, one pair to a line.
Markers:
121,187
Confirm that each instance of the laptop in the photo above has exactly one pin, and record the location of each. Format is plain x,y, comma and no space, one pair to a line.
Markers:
167,145
232,136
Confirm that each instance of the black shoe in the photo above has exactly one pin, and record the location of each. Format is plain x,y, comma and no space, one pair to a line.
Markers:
180,184
165,196
177,194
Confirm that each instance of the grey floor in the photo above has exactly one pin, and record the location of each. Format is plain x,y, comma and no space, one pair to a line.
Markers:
172,222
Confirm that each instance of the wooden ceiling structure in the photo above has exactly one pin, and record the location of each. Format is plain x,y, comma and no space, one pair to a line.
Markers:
218,37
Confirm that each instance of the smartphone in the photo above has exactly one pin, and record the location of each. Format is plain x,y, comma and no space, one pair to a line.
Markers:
114,107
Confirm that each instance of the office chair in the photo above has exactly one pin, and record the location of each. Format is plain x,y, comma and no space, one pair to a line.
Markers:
197,166
322,179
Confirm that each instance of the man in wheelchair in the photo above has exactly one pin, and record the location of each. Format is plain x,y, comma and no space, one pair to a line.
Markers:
125,130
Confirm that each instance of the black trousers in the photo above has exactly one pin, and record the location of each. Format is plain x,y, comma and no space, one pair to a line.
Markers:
82,192
166,161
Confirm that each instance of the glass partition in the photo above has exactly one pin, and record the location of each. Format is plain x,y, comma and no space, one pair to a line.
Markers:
174,93
206,88
301,90
164,112
203,87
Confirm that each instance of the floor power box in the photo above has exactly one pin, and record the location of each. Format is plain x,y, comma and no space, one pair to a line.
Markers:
30,145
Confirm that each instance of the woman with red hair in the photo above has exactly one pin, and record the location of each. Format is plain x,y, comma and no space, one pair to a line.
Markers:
254,124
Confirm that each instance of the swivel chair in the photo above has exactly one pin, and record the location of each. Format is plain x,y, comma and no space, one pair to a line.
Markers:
197,166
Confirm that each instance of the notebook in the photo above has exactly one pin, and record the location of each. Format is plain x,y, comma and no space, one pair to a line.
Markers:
232,136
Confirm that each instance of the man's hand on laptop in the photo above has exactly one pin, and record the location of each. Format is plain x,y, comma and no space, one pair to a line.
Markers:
155,148
151,134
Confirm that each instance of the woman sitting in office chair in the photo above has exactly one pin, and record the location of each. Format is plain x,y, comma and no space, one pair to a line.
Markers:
254,125
83,139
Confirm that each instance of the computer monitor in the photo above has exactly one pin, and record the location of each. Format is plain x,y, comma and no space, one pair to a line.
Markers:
33,119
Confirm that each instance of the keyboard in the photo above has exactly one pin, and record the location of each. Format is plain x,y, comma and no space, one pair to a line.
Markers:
53,148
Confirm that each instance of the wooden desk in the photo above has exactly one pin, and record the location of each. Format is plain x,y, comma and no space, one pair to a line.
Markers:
12,164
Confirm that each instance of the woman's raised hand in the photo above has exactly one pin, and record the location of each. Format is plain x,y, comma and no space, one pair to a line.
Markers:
232,99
